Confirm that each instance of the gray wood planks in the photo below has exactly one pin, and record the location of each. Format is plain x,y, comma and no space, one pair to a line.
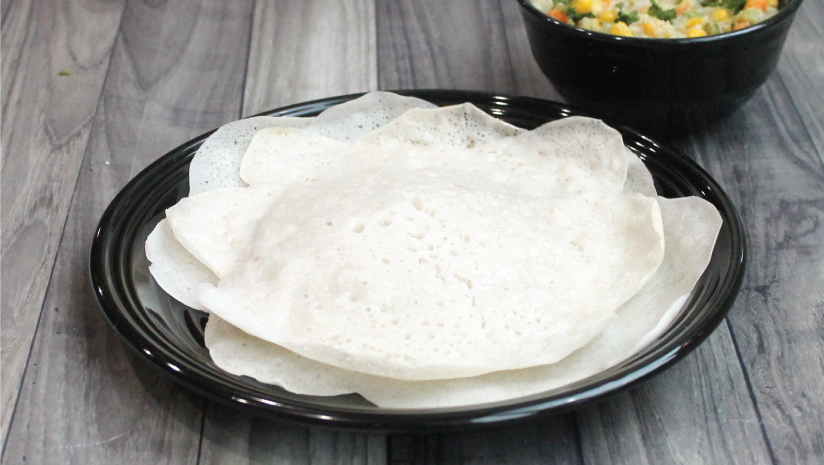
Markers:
552,440
766,157
46,124
457,45
299,51
84,399
697,412
306,50
802,69
235,437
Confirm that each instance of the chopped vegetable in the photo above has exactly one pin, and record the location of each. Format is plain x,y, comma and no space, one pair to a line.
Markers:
720,15
759,4
558,14
628,18
576,17
608,16
732,5
662,19
740,25
657,12
621,29
697,32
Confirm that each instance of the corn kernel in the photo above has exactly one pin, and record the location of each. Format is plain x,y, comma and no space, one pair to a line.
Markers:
620,29
694,22
608,16
696,32
649,28
772,3
720,15
581,6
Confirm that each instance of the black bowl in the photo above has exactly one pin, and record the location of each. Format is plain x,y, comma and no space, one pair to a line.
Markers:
169,335
663,87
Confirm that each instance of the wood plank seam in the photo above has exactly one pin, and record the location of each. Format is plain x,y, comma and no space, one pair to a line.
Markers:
750,390
800,116
53,258
512,76
204,406
243,85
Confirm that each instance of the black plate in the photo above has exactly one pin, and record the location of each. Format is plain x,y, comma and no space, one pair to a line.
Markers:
170,336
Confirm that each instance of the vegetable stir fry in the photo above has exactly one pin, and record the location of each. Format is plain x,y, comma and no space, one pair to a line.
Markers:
663,19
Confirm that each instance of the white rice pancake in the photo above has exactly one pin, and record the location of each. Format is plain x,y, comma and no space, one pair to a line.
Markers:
639,179
282,156
218,227
555,158
571,156
691,226
424,241
217,163
461,125
176,270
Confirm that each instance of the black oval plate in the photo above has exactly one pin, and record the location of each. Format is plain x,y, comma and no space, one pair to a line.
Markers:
169,335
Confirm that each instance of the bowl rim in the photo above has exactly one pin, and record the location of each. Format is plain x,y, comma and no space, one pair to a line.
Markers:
112,296
783,14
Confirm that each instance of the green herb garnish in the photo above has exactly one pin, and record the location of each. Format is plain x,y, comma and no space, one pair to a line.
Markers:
575,16
657,12
733,5
627,18
65,73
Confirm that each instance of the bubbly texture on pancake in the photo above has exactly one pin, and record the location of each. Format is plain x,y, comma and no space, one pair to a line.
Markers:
430,257
217,162
458,287
690,226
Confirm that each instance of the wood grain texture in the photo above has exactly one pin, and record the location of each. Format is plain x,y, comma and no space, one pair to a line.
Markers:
766,158
459,44
802,69
551,441
84,399
231,436
699,411
299,50
5,5
46,124
309,49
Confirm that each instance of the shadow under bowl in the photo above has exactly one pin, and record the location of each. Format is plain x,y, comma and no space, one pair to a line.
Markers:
662,87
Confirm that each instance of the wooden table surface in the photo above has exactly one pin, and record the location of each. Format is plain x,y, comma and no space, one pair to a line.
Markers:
94,90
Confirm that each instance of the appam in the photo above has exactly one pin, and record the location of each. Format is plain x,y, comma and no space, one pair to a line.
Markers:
691,226
216,165
494,143
384,202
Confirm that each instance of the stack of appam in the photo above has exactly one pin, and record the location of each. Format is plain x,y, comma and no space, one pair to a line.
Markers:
426,257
